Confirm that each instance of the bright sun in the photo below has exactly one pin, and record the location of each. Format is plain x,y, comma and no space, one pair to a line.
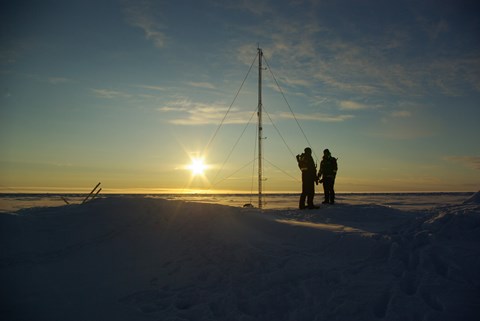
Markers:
197,166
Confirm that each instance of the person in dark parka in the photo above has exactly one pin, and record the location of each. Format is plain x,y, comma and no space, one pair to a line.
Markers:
326,175
309,171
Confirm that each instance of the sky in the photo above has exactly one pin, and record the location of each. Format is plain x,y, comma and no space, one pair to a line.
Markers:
129,93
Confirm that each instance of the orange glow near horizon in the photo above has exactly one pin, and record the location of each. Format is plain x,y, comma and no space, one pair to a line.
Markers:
193,190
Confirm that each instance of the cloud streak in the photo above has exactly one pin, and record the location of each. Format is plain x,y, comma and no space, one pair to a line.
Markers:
205,85
468,161
352,105
140,14
316,117
401,114
150,87
110,94
190,113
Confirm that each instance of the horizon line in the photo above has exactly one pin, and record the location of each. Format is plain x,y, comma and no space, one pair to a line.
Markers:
216,192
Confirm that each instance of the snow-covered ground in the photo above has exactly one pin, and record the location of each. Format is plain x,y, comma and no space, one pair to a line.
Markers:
131,258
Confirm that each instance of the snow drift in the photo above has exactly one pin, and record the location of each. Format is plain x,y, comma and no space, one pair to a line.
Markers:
151,259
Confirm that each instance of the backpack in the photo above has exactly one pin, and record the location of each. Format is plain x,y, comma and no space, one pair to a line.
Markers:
303,163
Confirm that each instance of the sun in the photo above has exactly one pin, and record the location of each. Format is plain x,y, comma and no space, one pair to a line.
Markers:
197,166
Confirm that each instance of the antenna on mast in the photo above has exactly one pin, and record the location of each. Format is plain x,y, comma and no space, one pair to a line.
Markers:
259,112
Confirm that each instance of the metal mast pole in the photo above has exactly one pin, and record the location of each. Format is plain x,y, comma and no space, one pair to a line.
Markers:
260,57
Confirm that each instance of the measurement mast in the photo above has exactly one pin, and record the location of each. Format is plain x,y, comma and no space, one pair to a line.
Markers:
260,179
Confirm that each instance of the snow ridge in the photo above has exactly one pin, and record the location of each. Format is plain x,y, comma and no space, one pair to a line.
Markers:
136,259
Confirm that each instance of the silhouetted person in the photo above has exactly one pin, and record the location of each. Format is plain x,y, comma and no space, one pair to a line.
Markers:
326,175
309,176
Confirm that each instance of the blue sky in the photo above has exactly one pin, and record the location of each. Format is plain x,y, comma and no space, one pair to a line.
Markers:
128,92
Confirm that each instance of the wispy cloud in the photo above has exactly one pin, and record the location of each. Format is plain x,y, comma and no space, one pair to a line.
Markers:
453,76
468,161
352,105
401,114
110,94
187,112
140,14
150,87
206,85
316,117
